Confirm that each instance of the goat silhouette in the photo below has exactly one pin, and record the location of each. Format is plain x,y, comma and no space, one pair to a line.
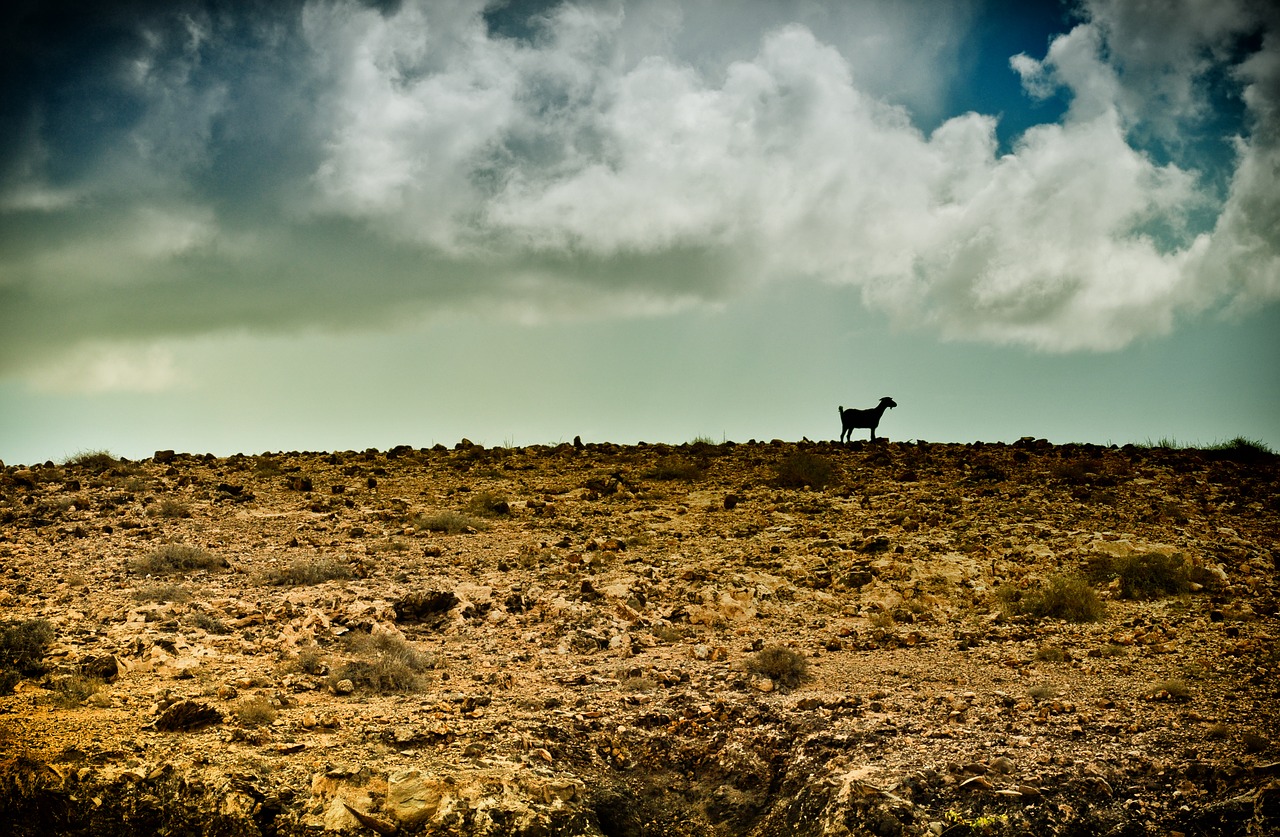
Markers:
852,419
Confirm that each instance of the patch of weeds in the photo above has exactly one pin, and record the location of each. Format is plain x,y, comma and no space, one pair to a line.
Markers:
303,573
1152,576
209,623
1175,689
94,461
1113,650
23,645
73,690
638,684
1242,450
664,632
311,661
175,558
162,593
448,522
488,504
390,545
169,508
780,664
1254,742
1041,691
254,712
676,468
804,469
881,619
388,665
1218,732
1051,654
1068,597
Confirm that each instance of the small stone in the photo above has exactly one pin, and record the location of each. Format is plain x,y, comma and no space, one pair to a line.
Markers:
764,684
344,687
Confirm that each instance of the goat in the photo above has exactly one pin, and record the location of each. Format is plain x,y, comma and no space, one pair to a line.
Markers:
850,419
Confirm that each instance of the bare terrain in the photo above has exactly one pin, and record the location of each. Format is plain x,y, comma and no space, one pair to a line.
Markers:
761,638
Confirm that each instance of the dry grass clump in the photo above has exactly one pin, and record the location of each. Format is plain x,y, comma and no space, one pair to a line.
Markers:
804,469
1066,596
387,665
169,508
94,461
676,468
73,690
489,504
448,522
176,558
162,592
255,712
303,573
780,664
22,648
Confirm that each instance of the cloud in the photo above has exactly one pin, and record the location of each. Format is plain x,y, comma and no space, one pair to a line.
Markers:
332,164
108,368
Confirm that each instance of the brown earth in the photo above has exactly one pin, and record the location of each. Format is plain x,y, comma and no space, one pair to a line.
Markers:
567,640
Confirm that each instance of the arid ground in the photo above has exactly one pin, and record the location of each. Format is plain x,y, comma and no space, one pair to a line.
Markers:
763,638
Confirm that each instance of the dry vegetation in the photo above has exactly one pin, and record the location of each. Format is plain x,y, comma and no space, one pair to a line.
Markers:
703,639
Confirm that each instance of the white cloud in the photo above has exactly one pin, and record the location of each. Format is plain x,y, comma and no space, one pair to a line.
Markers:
97,368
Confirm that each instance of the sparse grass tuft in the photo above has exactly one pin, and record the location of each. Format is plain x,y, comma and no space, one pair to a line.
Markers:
95,461
780,664
162,593
489,504
673,468
209,623
169,508
1051,654
448,522
1151,576
73,690
388,665
804,469
255,712
306,573
175,558
1041,691
1242,450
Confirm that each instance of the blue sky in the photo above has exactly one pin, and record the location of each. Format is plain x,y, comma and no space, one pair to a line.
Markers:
338,225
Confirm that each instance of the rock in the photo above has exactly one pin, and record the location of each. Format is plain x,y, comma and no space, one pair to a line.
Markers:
344,687
412,798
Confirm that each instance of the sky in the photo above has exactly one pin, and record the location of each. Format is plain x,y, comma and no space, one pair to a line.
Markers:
338,225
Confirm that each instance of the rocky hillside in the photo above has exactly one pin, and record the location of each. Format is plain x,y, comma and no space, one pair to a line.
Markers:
760,638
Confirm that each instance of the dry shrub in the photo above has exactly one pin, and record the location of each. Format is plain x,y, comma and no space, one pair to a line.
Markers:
448,522
804,469
387,664
255,712
175,559
780,664
162,593
1066,596
303,573
23,645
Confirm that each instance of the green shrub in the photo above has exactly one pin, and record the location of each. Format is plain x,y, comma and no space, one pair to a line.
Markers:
303,573
804,469
780,664
174,558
